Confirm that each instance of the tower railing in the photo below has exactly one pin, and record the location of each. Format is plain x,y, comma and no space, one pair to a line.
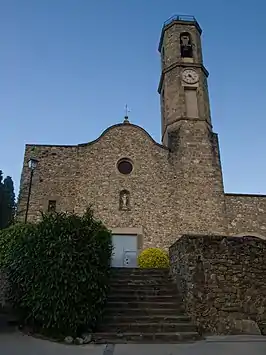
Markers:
186,18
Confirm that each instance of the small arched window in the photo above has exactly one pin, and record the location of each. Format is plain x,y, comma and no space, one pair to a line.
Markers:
186,45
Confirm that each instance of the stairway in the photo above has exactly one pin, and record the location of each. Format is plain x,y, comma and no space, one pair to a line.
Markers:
144,307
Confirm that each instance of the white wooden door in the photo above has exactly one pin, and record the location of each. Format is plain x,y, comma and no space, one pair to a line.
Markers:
124,250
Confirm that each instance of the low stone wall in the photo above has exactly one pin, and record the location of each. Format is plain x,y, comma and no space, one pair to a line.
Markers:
222,281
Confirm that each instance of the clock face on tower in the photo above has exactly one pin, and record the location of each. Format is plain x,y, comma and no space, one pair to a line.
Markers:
189,76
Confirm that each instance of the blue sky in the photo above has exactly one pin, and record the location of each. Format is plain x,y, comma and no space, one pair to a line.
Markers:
68,67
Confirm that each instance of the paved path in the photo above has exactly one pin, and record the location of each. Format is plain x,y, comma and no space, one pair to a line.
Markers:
19,344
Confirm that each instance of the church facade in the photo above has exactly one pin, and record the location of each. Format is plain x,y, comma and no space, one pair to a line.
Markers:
148,193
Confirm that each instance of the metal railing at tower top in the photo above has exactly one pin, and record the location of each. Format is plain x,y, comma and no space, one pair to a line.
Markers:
185,18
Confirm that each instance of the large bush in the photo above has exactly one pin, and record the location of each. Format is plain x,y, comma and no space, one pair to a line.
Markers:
9,237
60,273
153,258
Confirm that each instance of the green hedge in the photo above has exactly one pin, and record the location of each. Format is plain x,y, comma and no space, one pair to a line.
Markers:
60,273
9,237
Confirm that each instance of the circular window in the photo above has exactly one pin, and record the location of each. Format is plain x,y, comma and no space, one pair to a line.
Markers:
124,166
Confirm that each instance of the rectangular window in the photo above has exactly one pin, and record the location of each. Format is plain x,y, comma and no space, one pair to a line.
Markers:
191,103
51,206
162,111
163,56
162,101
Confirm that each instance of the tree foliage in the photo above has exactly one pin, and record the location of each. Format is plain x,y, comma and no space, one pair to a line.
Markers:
59,272
7,201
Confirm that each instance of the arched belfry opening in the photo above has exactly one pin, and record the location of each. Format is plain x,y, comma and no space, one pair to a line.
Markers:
186,45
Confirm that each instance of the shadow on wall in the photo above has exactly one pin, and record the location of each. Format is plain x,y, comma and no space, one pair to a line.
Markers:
250,234
222,281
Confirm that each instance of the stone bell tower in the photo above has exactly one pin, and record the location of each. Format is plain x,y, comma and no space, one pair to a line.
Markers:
187,128
183,84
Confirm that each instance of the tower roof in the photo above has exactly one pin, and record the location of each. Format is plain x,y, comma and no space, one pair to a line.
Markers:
181,19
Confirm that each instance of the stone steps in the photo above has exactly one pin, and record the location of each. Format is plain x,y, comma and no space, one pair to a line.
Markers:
137,271
139,276
137,337
140,287
137,287
143,306
109,311
148,326
155,318
141,297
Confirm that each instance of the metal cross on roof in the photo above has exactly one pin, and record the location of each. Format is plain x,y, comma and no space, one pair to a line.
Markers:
126,114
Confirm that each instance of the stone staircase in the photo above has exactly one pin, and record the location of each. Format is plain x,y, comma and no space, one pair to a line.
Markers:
144,307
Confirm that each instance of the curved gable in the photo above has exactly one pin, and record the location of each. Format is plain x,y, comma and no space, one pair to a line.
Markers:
126,125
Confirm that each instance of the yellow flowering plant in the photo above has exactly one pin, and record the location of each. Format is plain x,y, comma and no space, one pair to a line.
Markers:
153,258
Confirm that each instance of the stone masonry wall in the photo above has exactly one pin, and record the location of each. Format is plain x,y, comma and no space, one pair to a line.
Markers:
176,190
199,194
222,281
54,179
77,176
149,184
246,214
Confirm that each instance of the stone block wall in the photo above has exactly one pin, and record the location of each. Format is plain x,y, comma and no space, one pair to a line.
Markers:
178,189
222,281
246,214
53,179
86,174
199,195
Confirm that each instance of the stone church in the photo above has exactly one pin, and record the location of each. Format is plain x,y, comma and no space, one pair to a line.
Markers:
147,193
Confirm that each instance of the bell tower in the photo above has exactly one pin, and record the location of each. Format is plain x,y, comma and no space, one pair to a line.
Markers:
187,129
183,83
